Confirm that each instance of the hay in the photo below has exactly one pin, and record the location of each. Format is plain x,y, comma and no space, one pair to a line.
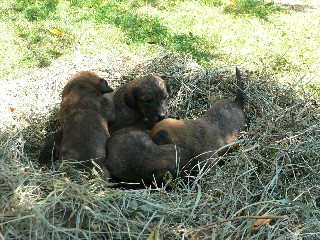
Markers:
276,170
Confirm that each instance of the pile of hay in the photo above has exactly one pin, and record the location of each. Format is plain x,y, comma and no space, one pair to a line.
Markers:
276,170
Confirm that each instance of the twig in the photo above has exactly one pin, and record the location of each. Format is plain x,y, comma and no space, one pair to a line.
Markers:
246,217
235,219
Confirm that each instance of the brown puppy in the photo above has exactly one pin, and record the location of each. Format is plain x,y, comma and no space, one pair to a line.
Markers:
51,150
141,100
133,157
84,116
215,129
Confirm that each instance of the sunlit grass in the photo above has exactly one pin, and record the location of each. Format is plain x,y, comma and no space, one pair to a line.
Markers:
203,30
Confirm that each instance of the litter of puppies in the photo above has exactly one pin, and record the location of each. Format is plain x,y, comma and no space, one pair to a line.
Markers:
128,134
275,164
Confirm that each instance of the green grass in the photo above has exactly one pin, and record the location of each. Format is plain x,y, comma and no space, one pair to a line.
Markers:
254,32
258,8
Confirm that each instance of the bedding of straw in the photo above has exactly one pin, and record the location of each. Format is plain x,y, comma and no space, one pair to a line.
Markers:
275,171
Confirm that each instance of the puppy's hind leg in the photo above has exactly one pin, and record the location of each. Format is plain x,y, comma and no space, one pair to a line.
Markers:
51,150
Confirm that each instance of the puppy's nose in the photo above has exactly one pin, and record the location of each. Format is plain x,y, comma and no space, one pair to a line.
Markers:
161,116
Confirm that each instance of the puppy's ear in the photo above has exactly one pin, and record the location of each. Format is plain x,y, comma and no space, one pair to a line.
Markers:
104,86
162,137
168,88
130,97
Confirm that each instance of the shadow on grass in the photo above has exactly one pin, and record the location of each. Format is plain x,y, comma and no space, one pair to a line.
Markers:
150,29
34,10
40,43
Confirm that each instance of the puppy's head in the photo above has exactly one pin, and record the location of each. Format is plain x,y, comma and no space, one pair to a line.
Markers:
167,131
88,81
149,95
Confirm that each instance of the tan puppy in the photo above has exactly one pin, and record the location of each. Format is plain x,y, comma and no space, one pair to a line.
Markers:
141,100
84,116
133,157
216,128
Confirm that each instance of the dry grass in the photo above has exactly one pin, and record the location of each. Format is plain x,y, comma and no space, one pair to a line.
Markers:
275,171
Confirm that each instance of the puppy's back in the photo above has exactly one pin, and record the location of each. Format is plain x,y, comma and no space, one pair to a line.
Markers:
227,115
84,116
86,82
133,156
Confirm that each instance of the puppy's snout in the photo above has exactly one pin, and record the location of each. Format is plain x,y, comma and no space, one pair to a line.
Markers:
161,116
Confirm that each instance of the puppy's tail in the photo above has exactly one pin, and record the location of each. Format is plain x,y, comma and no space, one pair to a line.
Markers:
239,94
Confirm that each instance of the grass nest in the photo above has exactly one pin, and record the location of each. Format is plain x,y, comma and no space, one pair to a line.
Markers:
275,171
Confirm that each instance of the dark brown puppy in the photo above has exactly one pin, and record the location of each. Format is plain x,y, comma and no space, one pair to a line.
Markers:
141,100
216,128
84,116
51,150
133,157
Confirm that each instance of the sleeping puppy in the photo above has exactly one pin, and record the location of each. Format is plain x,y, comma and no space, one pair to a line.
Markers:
133,157
141,100
212,131
84,116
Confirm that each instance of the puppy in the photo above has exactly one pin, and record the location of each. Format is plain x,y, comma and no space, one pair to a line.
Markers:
133,157
141,100
51,150
84,116
215,129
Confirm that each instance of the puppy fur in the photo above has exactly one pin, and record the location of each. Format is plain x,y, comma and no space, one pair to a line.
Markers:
133,157
141,100
84,116
51,150
216,128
